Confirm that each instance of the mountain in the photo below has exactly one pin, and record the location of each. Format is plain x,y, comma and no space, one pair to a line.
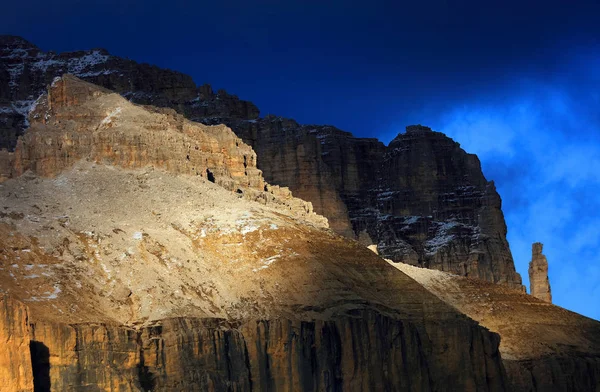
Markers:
422,199
142,251
126,266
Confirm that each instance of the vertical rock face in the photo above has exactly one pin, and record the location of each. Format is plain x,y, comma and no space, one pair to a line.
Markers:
15,366
215,292
422,199
538,274
432,207
73,357
554,374
361,353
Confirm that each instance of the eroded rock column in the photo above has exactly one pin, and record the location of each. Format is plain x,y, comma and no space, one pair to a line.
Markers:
538,274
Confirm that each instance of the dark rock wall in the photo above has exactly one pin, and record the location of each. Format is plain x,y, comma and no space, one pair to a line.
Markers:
360,353
570,373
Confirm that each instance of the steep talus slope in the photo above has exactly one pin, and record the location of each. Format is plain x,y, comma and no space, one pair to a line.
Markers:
544,347
422,199
142,271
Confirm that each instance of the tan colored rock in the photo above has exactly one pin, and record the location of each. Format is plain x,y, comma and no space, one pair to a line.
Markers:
291,156
102,355
25,71
271,355
373,248
145,267
423,200
16,374
538,274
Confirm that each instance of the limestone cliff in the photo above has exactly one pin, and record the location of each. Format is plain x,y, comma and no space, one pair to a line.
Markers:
262,355
538,274
422,199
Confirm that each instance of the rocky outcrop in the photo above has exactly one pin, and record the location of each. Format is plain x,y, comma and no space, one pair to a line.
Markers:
555,373
543,347
422,199
538,274
15,365
93,356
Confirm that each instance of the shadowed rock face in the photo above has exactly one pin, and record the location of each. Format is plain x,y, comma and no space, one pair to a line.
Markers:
538,274
422,199
367,351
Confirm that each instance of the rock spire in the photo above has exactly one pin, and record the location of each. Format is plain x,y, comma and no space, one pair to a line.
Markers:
538,274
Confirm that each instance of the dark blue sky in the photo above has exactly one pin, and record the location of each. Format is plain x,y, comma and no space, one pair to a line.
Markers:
516,82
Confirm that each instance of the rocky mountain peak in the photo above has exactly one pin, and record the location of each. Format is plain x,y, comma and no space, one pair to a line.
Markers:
152,255
66,91
205,91
25,71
